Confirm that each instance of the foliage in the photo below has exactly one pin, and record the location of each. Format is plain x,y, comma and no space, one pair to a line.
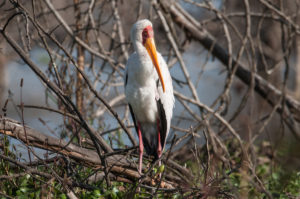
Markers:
278,181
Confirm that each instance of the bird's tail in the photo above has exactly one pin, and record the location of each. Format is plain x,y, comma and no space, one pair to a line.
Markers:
150,139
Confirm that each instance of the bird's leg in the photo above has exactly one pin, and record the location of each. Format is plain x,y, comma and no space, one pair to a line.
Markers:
141,145
159,149
158,139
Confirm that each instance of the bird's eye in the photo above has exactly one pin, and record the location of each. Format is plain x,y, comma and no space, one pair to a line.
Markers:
145,34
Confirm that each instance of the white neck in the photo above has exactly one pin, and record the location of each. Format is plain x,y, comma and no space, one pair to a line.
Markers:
145,69
139,48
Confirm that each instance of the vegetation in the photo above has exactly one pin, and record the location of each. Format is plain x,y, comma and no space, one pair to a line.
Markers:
278,181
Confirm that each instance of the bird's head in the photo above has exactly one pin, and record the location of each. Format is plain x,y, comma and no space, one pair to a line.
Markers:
142,33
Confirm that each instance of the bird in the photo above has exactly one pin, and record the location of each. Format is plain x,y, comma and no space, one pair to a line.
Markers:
148,91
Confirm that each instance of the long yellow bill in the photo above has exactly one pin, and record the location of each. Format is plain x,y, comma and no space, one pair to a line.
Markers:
150,46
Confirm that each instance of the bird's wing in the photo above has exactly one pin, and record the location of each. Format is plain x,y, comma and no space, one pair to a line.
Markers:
162,123
133,118
130,107
166,100
126,79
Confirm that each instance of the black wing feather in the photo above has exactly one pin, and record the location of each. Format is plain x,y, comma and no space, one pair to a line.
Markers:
163,123
126,79
133,118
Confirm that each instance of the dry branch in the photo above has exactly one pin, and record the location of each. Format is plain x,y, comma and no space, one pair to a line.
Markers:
35,138
197,32
117,164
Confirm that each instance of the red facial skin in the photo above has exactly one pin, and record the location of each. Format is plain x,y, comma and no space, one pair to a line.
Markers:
147,33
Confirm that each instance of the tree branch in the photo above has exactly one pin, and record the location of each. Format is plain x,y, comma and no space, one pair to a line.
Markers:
197,32
117,164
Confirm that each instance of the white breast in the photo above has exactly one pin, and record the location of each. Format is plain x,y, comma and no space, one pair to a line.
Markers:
141,89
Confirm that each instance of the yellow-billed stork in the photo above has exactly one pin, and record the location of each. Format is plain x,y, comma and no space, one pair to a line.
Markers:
149,91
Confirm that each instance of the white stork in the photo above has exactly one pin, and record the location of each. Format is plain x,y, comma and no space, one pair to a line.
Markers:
149,91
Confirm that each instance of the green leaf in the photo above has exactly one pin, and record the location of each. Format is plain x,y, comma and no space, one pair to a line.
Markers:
24,189
97,192
161,168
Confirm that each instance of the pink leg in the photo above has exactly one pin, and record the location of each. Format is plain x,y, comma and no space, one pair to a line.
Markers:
141,148
159,150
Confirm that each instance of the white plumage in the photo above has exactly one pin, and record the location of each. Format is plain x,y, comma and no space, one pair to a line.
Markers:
150,105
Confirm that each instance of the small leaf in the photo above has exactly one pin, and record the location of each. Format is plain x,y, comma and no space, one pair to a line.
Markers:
97,192
161,168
